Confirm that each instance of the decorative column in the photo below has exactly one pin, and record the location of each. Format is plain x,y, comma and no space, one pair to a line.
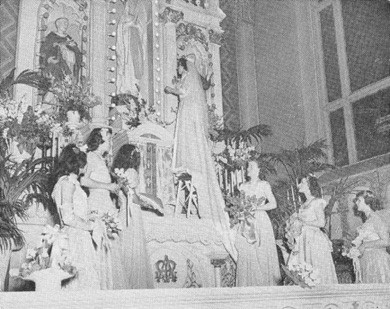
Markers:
169,18
98,55
246,67
217,263
216,86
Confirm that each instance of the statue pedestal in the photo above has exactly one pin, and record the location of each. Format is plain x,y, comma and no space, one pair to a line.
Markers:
186,248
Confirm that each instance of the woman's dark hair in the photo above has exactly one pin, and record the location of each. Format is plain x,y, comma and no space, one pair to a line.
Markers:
71,160
314,186
127,157
261,174
95,139
370,199
183,62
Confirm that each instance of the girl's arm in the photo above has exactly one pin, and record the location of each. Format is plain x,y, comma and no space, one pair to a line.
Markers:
269,196
320,215
383,240
67,206
86,181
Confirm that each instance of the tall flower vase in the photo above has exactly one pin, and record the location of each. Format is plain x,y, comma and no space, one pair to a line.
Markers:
73,119
48,279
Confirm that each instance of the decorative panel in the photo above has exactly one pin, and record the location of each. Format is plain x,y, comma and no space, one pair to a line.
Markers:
339,139
329,47
367,38
8,33
229,66
372,124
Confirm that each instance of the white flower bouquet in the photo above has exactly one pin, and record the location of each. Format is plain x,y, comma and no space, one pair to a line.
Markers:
302,274
52,241
293,231
113,226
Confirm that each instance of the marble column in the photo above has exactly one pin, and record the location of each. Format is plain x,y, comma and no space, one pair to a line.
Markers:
246,67
98,56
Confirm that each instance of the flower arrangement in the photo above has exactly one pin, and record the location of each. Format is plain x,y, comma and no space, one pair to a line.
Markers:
241,207
112,224
21,121
235,155
293,231
302,274
39,258
74,96
138,111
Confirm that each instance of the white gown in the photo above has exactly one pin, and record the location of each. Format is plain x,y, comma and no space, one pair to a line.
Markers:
81,250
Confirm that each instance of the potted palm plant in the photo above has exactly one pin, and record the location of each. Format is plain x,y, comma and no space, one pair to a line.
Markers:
21,183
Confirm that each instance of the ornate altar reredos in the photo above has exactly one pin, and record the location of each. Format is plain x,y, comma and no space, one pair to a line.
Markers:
121,44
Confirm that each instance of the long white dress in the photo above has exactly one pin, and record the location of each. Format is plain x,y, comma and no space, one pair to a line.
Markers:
375,262
134,251
112,274
192,153
257,263
314,246
81,250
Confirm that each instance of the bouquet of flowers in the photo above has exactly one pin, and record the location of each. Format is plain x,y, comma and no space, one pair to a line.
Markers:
74,96
121,179
21,121
39,258
302,274
350,250
112,224
293,231
241,207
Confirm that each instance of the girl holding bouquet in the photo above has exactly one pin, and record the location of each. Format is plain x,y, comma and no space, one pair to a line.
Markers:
313,246
372,240
72,207
98,180
134,251
257,262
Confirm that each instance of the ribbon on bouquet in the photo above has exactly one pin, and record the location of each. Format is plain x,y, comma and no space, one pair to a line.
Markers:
248,230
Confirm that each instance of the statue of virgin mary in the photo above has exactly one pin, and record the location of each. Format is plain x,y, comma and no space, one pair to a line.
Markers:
130,47
191,149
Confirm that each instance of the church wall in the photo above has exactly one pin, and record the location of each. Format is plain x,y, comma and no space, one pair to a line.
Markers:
278,74
9,11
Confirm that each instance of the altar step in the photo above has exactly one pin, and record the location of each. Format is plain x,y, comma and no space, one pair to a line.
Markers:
361,296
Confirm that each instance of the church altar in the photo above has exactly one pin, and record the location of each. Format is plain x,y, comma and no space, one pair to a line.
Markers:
185,251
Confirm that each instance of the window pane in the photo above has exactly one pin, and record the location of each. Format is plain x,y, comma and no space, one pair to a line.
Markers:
372,127
367,38
329,47
339,139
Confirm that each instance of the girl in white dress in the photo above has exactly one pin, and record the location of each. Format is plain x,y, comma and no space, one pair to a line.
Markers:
98,180
372,240
313,245
72,207
257,262
134,251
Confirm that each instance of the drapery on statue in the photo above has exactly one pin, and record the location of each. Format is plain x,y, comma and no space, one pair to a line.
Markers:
191,149
59,53
130,47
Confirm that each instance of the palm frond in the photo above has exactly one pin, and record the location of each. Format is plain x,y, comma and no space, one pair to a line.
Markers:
256,133
34,79
299,162
6,83
10,235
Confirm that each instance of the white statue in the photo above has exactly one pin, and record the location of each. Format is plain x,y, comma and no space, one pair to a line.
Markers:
131,47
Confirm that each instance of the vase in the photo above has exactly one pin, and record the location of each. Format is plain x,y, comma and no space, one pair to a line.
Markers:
48,279
73,119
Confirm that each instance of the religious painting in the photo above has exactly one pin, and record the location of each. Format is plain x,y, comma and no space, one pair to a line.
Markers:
63,28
